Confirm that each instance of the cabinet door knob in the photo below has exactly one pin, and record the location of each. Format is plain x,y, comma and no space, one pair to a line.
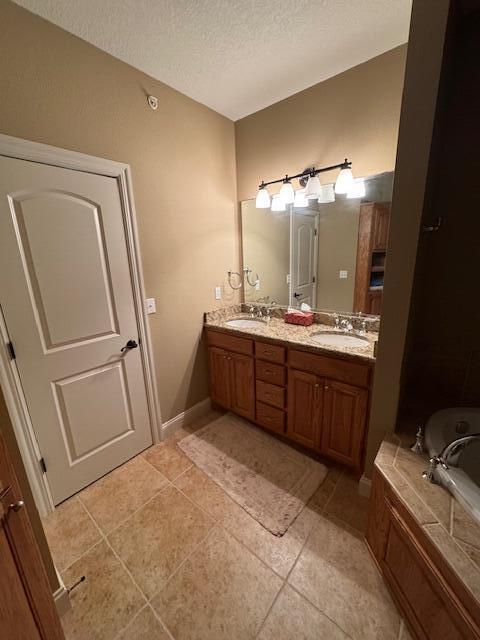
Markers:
317,386
326,387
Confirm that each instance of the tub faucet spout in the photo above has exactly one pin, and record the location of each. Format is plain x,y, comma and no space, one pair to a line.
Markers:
448,455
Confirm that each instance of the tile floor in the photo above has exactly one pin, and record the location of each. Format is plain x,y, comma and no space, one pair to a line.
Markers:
167,554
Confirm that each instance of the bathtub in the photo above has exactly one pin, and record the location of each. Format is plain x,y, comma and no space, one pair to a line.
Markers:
462,478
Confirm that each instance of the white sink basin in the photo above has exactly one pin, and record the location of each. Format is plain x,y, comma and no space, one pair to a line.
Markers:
337,339
245,323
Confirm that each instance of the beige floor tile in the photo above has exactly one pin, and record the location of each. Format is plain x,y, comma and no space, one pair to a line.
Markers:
336,574
346,503
168,459
324,492
293,618
70,532
144,626
279,553
221,592
107,600
113,498
154,541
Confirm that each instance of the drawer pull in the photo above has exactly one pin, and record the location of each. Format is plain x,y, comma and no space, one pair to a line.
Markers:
270,372
268,353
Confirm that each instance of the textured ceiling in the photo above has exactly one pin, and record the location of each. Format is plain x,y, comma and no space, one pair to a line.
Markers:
235,56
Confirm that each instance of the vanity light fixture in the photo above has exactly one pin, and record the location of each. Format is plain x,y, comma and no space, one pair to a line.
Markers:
287,193
278,203
262,200
357,190
327,194
308,179
344,181
313,189
300,199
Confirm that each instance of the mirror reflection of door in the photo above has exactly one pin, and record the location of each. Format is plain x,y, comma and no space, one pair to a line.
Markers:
303,259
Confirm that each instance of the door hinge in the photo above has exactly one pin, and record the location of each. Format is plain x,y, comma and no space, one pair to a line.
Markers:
313,279
315,232
42,464
11,351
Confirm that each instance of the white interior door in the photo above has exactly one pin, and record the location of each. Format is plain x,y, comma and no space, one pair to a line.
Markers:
67,298
303,259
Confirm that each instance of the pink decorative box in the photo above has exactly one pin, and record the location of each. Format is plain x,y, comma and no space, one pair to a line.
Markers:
304,318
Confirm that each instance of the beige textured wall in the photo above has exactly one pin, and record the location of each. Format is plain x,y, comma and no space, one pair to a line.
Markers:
62,91
353,114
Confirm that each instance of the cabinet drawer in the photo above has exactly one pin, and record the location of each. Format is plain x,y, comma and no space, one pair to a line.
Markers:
270,352
230,343
273,373
330,367
271,394
271,418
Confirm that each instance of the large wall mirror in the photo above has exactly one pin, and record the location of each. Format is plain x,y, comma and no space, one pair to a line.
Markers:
330,254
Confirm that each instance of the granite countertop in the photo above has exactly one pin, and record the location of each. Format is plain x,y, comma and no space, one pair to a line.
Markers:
278,330
450,528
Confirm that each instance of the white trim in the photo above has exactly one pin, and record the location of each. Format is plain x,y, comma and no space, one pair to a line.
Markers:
184,418
365,486
61,597
46,154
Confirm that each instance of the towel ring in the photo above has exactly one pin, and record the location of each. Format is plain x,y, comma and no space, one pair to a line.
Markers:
247,271
231,273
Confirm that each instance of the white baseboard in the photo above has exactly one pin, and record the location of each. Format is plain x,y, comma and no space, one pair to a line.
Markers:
184,418
365,486
62,600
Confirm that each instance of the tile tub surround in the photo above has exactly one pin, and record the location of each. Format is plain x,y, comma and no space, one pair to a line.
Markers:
451,529
280,331
179,562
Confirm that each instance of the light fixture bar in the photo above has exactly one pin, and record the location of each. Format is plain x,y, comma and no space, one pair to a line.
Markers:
310,172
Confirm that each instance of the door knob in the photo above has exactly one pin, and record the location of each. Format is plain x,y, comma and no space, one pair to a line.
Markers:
131,344
16,506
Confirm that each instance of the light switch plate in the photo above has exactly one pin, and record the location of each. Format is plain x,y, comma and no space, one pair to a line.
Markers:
218,293
150,305
257,286
343,275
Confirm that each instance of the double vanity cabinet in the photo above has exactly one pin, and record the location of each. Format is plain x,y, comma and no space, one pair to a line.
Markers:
315,399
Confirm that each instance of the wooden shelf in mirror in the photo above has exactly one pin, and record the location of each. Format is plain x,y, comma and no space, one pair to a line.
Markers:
371,256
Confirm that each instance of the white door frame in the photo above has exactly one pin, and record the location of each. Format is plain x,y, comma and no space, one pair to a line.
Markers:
9,378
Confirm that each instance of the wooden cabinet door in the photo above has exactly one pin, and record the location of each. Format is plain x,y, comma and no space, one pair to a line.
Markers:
27,610
220,377
242,385
305,400
374,302
344,421
381,226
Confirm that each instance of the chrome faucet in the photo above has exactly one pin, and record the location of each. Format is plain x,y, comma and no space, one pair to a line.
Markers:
449,455
346,325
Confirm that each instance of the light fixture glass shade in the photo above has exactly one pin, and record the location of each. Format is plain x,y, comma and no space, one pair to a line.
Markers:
278,203
262,201
287,193
344,181
313,188
327,195
300,199
357,190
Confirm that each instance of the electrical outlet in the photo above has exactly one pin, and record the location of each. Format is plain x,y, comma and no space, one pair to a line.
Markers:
343,275
150,305
218,293
288,278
